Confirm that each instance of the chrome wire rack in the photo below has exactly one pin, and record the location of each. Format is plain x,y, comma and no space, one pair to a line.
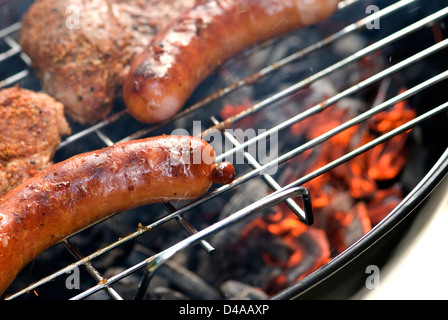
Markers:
104,132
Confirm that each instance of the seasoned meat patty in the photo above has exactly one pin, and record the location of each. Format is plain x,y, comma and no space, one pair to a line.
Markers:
31,127
82,49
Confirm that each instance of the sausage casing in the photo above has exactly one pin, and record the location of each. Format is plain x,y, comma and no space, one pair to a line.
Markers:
183,54
73,194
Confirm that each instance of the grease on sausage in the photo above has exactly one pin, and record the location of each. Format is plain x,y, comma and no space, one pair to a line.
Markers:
73,194
182,55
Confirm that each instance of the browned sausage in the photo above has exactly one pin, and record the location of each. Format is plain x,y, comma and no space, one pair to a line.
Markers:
73,194
183,54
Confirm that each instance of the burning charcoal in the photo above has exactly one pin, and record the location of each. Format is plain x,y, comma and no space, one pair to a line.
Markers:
384,202
314,243
349,44
183,280
250,192
231,110
235,290
243,258
359,71
272,252
278,251
346,227
188,282
162,293
320,90
312,250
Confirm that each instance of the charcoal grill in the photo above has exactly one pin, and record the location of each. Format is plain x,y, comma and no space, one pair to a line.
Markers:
421,32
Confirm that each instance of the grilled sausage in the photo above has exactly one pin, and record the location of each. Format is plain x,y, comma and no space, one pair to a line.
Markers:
73,194
184,53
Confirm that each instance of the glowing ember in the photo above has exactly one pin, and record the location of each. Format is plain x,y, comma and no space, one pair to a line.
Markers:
347,201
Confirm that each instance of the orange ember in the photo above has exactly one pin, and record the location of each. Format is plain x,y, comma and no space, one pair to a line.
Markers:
230,110
348,200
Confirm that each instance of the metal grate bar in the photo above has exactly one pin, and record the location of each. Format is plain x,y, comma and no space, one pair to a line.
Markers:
84,261
305,217
332,100
405,127
15,49
189,228
92,129
157,260
305,83
10,29
93,272
15,78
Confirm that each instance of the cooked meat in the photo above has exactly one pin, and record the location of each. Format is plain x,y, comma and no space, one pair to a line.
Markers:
81,50
31,127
